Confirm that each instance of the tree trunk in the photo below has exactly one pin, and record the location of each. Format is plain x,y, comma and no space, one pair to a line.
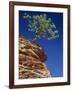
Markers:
34,39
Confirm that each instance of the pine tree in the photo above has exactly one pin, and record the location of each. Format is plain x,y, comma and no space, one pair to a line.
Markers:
41,26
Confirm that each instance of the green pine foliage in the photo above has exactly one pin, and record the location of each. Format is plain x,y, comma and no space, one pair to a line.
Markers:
41,26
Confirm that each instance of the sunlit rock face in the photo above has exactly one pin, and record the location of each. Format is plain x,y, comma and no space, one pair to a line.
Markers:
31,60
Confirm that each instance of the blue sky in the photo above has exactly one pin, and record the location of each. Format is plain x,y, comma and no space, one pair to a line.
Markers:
53,48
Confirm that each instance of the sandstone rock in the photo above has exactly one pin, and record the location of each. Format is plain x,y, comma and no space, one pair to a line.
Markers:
31,58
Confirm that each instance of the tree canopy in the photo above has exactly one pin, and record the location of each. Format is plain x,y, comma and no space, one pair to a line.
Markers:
41,26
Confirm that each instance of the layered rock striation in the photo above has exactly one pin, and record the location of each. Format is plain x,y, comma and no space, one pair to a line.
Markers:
31,60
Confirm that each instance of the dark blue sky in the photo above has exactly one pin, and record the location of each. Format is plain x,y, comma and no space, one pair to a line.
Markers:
53,48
